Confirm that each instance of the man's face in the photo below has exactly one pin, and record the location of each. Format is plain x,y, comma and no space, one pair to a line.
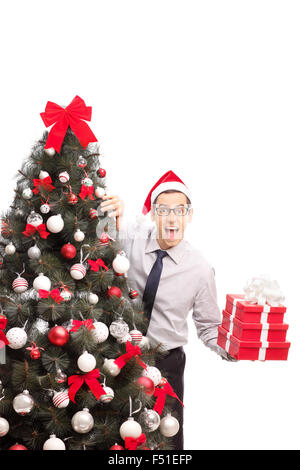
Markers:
171,227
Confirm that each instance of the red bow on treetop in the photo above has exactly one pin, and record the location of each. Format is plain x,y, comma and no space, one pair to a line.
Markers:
31,229
95,265
131,352
54,293
46,183
132,444
3,322
72,116
160,393
78,323
76,381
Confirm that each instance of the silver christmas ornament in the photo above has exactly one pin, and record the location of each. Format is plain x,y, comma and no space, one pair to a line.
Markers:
82,421
23,403
149,420
4,427
118,328
45,208
60,377
169,426
34,252
81,162
27,193
34,219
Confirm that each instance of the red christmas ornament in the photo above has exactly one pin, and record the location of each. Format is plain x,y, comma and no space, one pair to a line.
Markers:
133,293
114,292
72,198
116,447
58,336
34,351
101,172
68,251
145,384
104,239
18,447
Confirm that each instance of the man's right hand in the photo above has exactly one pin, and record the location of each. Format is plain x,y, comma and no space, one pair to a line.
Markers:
116,205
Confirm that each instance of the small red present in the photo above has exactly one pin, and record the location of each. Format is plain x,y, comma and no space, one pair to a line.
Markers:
254,331
252,312
252,350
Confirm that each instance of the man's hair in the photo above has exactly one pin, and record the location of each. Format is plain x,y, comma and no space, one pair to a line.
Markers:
169,191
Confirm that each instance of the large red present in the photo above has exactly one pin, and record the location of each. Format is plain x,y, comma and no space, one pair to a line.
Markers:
252,312
252,350
254,331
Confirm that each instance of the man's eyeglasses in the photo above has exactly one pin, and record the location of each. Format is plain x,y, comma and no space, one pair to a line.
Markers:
178,211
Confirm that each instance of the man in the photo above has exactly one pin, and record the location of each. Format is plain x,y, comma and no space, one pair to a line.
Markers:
172,276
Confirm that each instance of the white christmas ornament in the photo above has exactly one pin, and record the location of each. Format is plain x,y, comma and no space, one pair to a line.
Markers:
169,426
34,252
41,282
55,223
93,298
87,182
17,338
144,343
20,285
43,174
124,339
111,368
130,428
10,249
50,152
86,362
64,177
77,271
27,193
136,336
153,373
79,236
100,332
54,443
45,208
82,421
109,395
4,427
23,403
61,399
121,264
118,328
99,192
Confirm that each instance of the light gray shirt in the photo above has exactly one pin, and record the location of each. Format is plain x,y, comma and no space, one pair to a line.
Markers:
187,284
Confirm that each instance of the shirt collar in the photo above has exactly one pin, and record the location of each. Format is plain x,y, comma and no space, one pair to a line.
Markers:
176,252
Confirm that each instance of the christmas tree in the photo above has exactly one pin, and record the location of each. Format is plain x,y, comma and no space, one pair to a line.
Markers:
76,371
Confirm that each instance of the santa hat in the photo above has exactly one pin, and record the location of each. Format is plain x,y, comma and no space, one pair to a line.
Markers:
168,181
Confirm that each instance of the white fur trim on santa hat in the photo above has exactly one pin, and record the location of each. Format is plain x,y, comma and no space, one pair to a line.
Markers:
176,185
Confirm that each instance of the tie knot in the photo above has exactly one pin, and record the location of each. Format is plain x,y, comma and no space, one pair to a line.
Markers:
161,254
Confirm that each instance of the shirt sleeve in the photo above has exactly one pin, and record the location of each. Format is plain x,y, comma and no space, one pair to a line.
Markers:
206,314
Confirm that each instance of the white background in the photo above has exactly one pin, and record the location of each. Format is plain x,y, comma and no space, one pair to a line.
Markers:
209,89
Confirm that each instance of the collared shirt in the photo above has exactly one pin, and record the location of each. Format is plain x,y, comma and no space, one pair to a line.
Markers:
187,284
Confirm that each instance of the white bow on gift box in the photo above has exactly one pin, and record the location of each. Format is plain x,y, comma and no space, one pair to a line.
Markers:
261,290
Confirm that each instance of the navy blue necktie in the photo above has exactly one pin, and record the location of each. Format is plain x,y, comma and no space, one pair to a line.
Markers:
152,283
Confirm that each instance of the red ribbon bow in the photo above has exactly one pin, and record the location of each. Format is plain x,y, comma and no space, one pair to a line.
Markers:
132,444
46,183
131,352
72,116
76,381
54,294
3,322
86,191
95,265
31,229
78,323
160,393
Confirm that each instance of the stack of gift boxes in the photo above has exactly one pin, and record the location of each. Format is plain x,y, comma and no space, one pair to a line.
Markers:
252,331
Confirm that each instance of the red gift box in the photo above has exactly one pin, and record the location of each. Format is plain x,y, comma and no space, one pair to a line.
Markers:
253,313
254,331
252,350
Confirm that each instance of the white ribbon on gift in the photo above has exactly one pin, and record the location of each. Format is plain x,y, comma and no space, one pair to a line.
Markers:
261,290
262,349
